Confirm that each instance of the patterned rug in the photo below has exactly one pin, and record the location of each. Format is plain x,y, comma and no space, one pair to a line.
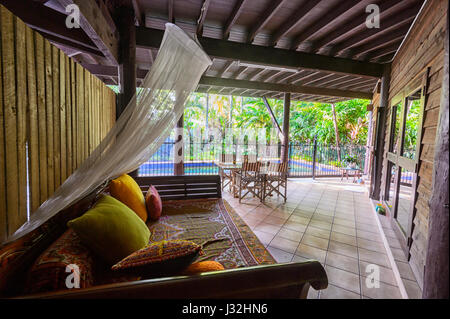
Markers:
214,224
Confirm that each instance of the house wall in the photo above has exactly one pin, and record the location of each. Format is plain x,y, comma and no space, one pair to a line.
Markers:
53,113
423,48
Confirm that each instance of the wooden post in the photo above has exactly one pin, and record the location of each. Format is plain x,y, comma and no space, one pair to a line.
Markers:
286,115
436,274
380,134
127,61
127,56
178,156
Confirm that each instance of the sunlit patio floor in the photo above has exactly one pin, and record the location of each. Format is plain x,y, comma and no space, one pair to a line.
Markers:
331,221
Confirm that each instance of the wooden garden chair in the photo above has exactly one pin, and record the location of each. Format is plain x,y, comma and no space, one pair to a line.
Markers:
226,174
248,179
276,180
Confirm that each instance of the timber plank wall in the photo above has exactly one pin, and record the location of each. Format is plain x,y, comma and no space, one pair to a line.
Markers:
422,49
53,113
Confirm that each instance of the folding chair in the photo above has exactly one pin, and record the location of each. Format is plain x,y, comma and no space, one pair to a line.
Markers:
276,178
250,180
226,175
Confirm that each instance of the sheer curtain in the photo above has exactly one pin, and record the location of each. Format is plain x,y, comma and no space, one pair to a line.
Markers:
141,129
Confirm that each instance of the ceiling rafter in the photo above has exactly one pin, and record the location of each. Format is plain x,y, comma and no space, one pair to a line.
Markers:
264,18
170,11
227,66
202,17
384,50
293,21
322,22
232,18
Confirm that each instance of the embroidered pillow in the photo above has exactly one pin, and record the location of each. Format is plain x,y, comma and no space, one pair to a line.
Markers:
49,272
202,266
160,258
153,203
125,189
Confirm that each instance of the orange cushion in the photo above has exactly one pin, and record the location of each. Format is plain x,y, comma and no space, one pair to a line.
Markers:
203,266
126,190
153,203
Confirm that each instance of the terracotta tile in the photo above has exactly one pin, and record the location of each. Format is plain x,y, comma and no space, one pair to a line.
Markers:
343,238
264,238
344,230
284,244
294,226
374,257
334,292
386,274
274,220
320,224
343,279
255,216
343,249
342,262
311,252
318,232
279,255
315,241
268,228
290,234
384,291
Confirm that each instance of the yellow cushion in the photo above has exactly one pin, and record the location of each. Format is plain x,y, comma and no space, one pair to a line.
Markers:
111,229
125,189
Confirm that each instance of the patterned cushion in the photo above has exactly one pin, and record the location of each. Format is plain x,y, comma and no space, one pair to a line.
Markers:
153,203
160,258
48,272
202,266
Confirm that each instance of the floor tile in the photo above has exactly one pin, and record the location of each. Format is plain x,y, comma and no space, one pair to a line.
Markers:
311,252
314,231
342,262
344,230
343,279
386,274
374,257
284,244
264,238
334,292
279,255
371,245
268,228
405,270
290,234
315,241
343,238
412,289
343,249
274,220
320,224
383,291
294,226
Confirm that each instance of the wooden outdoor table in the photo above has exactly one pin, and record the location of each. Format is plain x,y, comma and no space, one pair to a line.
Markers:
347,172
233,167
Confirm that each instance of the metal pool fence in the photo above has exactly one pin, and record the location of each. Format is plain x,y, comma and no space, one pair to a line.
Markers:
305,160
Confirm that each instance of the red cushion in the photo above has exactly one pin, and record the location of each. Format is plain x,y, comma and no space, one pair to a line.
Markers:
153,203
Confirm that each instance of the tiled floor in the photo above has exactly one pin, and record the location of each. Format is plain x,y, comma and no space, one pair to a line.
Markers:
330,221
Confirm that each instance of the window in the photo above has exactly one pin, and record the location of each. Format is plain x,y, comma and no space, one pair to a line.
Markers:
405,124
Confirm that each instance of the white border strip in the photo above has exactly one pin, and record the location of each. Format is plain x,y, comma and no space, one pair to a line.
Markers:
397,276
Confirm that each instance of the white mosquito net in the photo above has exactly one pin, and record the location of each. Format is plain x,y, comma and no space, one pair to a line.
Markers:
142,127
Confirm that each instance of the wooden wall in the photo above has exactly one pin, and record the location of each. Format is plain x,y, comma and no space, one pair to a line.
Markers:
422,49
53,113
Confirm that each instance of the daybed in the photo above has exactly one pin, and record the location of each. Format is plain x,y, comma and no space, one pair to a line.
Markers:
193,210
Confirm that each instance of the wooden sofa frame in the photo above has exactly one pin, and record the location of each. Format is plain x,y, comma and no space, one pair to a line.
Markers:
290,280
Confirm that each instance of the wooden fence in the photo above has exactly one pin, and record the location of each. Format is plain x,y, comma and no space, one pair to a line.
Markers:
53,113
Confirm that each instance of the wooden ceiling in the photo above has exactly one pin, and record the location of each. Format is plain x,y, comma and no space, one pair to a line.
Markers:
319,50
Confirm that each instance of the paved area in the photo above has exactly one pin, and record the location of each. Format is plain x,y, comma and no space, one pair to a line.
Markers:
330,221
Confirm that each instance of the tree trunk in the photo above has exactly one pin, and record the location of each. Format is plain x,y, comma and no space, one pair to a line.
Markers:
336,131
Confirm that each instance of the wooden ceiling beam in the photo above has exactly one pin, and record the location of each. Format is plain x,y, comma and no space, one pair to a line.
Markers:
255,74
382,40
292,21
227,66
230,50
386,6
264,18
139,15
384,50
395,21
170,11
72,45
325,20
97,27
287,88
232,18
202,16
